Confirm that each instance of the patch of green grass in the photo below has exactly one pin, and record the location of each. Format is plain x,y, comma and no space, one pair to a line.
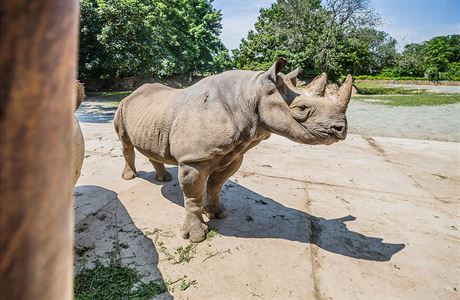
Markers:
212,254
82,228
182,254
413,100
162,248
114,97
383,77
154,232
184,283
378,89
185,254
124,245
158,232
114,282
212,233
80,251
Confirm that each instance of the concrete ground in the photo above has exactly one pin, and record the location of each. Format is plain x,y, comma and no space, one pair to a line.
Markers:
367,218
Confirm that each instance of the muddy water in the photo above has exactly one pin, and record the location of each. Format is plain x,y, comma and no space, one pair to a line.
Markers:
423,122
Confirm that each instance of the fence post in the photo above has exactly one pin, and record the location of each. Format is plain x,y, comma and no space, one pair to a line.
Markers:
38,55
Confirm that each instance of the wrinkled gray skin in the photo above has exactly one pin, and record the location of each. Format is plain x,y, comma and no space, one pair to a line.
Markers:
207,128
78,143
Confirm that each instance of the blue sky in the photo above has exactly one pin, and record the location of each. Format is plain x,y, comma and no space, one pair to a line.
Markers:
406,20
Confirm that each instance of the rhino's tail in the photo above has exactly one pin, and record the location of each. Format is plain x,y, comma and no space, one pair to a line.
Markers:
80,94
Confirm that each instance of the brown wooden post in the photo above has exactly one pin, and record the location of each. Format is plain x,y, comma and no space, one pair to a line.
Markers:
38,54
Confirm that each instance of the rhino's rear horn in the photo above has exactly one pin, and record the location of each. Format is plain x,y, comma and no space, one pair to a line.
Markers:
345,92
318,85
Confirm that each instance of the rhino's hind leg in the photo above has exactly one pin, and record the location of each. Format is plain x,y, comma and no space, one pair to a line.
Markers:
161,173
129,172
214,208
192,179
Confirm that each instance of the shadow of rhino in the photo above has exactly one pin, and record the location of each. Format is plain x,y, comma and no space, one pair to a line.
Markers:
251,215
104,231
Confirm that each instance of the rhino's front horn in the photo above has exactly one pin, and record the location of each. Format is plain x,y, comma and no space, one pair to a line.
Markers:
345,92
318,85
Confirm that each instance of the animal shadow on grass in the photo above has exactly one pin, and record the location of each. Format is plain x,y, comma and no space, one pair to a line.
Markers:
251,215
105,233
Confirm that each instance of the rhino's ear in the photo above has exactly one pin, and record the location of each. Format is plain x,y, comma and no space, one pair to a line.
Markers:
293,76
277,67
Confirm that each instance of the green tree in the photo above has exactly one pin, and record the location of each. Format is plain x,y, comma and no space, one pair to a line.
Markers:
90,48
382,50
437,54
197,27
315,35
453,72
411,61
454,42
437,58
262,46
127,38
121,38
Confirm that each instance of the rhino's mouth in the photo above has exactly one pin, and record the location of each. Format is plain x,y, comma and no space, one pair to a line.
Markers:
325,133
320,133
339,131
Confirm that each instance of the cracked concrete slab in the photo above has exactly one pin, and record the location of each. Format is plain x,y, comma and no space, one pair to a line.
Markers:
425,267
361,219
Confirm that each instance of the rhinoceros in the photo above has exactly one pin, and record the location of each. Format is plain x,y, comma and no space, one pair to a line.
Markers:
78,143
206,129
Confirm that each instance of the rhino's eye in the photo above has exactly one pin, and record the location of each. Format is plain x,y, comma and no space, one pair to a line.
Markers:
301,112
303,107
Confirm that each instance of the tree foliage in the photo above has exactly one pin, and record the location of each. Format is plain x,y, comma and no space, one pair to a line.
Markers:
340,37
121,38
153,38
438,58
335,36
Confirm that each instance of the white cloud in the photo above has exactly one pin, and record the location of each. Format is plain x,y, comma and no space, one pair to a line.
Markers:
417,34
238,18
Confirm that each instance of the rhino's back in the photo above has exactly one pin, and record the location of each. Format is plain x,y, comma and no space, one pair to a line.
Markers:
205,121
213,118
146,116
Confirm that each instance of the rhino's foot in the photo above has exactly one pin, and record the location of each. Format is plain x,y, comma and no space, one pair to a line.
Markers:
163,176
194,229
215,212
128,174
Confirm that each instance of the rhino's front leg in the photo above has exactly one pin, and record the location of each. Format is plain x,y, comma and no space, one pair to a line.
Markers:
214,208
192,179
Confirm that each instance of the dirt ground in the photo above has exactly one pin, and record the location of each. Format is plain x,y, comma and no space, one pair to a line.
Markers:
367,218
